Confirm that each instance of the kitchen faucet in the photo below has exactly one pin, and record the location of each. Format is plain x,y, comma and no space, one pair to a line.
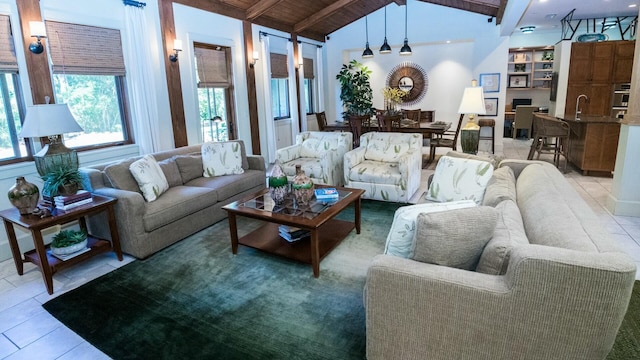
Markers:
578,112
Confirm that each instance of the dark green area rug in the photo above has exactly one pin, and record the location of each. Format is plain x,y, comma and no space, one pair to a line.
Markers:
197,300
627,345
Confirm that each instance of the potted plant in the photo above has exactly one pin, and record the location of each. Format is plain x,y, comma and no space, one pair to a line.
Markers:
62,181
355,90
392,97
68,241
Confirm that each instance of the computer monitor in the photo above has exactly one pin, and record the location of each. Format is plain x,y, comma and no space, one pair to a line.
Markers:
517,102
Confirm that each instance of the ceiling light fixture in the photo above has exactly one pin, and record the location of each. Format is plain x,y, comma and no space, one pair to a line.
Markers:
406,49
632,5
367,53
385,48
527,29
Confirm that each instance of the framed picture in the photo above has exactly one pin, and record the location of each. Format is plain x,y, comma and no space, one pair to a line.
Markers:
518,81
490,82
491,106
519,67
519,57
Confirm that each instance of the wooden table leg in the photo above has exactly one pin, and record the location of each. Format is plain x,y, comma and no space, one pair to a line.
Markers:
15,249
315,252
113,227
357,216
45,268
233,230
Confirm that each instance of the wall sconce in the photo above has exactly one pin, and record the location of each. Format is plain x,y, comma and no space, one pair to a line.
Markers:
256,57
177,47
38,31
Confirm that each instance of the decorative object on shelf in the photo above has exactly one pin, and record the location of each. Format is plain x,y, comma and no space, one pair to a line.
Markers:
278,183
411,78
392,97
518,81
519,57
547,66
491,106
63,181
24,196
68,241
472,103
355,89
303,189
490,82
520,67
547,55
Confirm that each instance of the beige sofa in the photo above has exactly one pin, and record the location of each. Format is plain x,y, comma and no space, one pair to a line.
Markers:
191,203
561,294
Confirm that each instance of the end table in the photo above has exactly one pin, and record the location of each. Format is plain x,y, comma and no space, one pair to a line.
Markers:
48,263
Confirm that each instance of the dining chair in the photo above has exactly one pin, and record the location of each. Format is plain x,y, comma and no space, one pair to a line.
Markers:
523,120
445,140
550,136
356,124
321,117
412,114
386,123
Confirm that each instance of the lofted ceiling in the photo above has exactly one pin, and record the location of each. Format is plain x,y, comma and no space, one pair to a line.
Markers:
314,19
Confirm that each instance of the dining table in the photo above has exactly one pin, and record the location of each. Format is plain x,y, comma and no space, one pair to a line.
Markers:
427,129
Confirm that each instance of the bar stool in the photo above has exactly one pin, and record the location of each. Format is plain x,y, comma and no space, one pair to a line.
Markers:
492,124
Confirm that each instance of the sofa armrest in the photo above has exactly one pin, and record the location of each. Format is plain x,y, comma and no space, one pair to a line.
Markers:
410,167
256,162
288,153
351,159
91,179
517,165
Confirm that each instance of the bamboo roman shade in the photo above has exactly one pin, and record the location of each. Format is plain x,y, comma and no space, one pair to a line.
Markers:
212,67
84,50
279,66
8,62
307,67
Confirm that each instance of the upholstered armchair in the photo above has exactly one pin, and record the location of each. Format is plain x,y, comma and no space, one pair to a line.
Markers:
319,153
387,166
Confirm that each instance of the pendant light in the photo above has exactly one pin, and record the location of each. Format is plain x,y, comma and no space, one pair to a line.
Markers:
385,48
406,49
367,53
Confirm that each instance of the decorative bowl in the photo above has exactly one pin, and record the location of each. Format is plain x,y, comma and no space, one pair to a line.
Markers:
69,249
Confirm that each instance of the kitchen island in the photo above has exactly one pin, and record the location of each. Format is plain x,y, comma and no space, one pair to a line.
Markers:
593,143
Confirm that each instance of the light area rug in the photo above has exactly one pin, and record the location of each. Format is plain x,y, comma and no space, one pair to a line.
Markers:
196,299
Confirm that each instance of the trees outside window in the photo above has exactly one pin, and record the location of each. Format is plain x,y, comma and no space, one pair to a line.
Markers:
11,147
280,98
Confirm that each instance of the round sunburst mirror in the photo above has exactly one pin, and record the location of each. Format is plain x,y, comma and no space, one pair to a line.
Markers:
409,77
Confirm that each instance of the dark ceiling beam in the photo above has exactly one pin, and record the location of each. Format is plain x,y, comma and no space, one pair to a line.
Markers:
479,7
503,5
399,2
320,15
215,6
260,8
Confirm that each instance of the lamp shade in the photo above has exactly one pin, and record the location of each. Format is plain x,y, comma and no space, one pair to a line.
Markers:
472,101
47,120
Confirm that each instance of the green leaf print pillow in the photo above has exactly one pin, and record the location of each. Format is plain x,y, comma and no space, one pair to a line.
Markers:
459,179
221,158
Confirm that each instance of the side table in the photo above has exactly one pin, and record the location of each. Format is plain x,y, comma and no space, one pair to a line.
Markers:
48,263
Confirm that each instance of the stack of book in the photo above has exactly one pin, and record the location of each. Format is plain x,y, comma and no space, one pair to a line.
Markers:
69,202
327,194
293,234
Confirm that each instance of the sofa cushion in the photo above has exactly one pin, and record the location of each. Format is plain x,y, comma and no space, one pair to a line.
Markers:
454,238
402,234
508,234
314,147
176,203
377,172
171,171
459,179
501,186
382,148
190,167
312,167
221,158
149,176
120,177
230,185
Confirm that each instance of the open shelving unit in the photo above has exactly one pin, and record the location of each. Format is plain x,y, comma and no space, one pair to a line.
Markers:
530,68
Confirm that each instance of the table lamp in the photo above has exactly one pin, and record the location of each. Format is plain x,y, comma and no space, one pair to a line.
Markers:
51,120
472,103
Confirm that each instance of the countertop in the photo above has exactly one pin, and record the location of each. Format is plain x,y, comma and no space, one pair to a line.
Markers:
595,119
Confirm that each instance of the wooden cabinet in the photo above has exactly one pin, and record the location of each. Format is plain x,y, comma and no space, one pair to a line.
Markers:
599,98
593,145
623,65
530,68
591,62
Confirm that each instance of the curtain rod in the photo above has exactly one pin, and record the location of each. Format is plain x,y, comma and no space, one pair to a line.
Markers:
264,33
134,3
306,42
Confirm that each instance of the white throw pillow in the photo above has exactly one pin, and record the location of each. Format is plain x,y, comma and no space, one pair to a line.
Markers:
402,235
459,179
150,177
221,158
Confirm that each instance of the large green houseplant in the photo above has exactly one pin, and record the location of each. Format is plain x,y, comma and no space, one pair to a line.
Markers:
355,89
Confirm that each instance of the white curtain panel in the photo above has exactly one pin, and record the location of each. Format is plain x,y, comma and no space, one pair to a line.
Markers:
319,75
293,96
266,80
144,107
303,112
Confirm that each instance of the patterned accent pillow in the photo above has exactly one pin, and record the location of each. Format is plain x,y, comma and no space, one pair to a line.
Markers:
381,148
454,238
459,179
315,148
221,158
150,177
402,235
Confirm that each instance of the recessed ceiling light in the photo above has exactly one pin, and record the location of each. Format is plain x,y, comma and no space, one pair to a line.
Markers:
632,5
527,29
550,16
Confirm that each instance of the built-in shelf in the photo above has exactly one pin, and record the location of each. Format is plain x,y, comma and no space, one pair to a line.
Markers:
531,65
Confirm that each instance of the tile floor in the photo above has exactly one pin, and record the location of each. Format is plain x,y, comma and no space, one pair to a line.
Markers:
29,332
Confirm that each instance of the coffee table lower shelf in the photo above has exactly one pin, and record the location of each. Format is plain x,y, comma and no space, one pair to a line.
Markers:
267,239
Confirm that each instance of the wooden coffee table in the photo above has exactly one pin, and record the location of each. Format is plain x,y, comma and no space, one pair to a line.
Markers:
317,217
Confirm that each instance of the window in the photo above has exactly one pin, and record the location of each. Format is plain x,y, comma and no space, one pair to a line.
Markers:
10,125
90,79
212,105
307,67
280,98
